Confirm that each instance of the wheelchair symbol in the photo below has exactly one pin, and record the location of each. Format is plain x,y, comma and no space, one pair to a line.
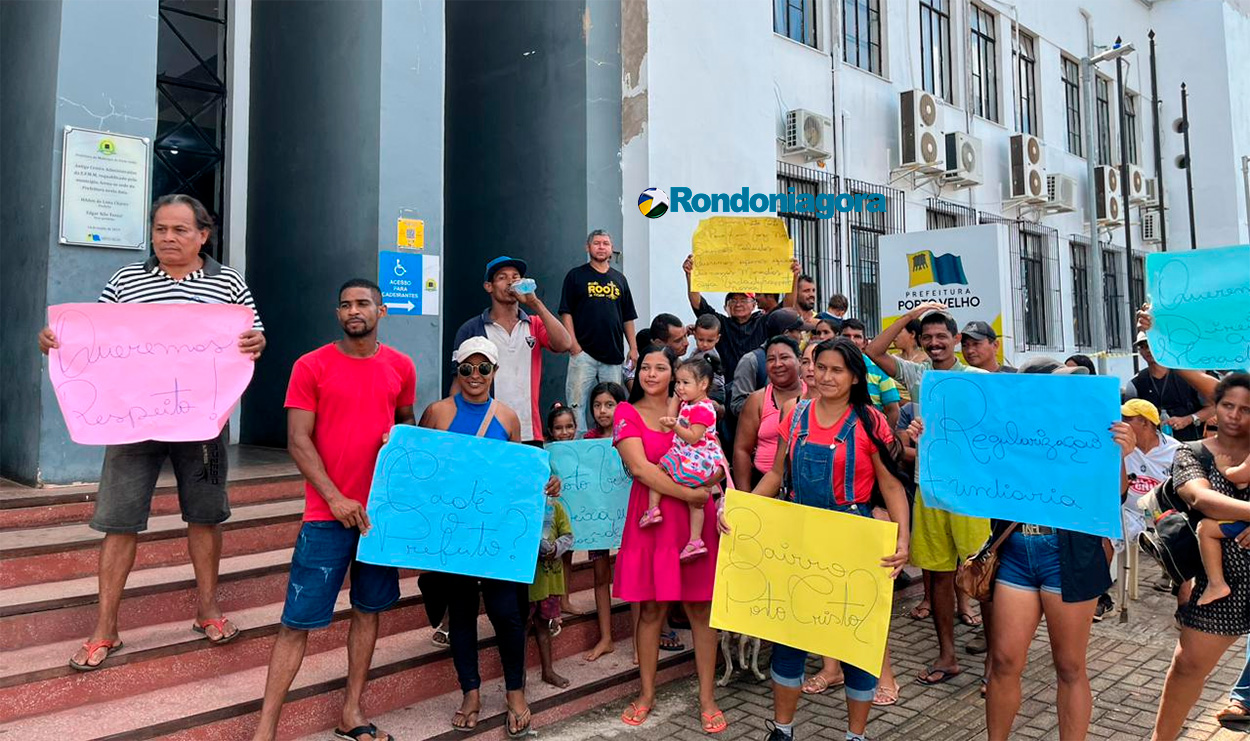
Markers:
400,270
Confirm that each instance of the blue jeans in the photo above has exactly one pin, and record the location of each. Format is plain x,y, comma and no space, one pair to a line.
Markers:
324,553
584,373
1241,690
787,671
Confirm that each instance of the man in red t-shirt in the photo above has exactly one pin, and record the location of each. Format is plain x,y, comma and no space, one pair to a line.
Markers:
341,403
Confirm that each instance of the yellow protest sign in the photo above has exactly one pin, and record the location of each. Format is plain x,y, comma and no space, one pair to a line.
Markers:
805,577
742,254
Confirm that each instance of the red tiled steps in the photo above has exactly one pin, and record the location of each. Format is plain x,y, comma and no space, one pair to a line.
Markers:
66,611
30,507
37,555
407,669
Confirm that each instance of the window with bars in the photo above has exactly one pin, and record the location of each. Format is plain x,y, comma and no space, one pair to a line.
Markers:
1130,123
940,214
935,48
983,60
1036,296
189,148
1137,280
1102,109
815,239
861,34
1026,84
1113,298
1072,102
796,19
1034,291
1082,319
866,228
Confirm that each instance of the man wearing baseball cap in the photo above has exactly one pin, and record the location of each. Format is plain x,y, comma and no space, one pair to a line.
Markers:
980,346
1182,410
519,341
1150,462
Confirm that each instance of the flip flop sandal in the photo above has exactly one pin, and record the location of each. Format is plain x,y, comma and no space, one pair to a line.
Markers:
944,676
673,643
915,613
985,687
885,696
524,730
220,624
369,730
970,620
1234,717
635,715
818,685
714,722
470,720
92,647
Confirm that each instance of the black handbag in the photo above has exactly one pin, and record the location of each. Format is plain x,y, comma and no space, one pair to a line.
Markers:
1174,542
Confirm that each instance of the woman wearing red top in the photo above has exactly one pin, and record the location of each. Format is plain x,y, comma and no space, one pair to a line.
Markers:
827,473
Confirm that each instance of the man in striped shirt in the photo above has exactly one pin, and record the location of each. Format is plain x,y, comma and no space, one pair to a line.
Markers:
179,272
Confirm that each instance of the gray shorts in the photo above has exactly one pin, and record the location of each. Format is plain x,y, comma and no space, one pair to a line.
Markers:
129,480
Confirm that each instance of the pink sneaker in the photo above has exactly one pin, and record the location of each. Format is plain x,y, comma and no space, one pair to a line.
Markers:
651,517
693,549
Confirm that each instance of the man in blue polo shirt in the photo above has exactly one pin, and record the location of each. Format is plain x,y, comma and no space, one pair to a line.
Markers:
520,340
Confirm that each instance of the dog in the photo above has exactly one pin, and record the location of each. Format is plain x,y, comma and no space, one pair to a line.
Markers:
748,655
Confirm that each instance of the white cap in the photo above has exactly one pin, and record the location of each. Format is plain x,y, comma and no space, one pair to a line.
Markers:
476,346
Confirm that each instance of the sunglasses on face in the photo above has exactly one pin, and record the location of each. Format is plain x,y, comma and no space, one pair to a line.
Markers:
483,369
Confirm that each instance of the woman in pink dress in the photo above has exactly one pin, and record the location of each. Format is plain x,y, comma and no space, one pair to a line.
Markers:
648,568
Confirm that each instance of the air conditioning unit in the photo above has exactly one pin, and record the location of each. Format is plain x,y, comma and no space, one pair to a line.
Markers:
1151,227
808,134
1110,212
918,131
1060,193
1028,176
963,159
1136,185
1155,196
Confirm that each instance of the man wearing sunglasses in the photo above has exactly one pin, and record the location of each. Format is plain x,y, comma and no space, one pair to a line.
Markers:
472,411
342,401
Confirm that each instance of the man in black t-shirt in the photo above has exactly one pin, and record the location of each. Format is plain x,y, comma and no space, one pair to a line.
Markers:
1180,406
598,311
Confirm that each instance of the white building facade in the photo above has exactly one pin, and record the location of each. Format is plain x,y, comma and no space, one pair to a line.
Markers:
708,89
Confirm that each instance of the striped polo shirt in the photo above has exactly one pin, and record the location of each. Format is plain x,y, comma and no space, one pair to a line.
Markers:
147,283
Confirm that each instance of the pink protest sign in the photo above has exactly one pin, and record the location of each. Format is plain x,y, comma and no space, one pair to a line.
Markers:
131,372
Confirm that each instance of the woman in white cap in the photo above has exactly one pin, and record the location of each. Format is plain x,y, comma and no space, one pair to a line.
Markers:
472,411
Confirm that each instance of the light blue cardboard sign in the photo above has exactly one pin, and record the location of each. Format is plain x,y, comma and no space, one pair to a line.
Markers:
595,489
1201,305
443,501
1026,448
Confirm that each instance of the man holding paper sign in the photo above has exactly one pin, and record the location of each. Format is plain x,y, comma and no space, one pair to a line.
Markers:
179,272
834,450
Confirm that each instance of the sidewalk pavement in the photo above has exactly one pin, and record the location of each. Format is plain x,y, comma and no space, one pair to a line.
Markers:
1127,663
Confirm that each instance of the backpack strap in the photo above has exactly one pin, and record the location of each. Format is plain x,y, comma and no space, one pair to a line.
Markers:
761,368
487,419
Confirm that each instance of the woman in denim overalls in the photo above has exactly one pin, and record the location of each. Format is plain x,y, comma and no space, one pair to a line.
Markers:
829,441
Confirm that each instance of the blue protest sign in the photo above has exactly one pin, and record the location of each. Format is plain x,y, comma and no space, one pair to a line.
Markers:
595,489
409,283
1026,448
443,501
1201,305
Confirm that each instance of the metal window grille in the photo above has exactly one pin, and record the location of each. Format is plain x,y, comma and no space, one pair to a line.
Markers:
861,34
189,148
1026,84
796,19
816,243
1137,282
935,48
940,214
1072,102
983,61
1082,318
1113,297
1102,107
1036,293
865,228
1130,122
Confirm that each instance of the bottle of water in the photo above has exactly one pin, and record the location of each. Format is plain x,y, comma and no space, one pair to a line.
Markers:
1165,428
525,285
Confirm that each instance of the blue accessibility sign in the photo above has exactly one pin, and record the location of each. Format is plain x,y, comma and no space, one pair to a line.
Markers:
401,277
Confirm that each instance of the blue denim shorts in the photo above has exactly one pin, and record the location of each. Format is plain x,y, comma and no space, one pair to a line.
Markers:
323,553
1031,563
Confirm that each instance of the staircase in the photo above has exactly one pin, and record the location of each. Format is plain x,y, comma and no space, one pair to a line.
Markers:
169,682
